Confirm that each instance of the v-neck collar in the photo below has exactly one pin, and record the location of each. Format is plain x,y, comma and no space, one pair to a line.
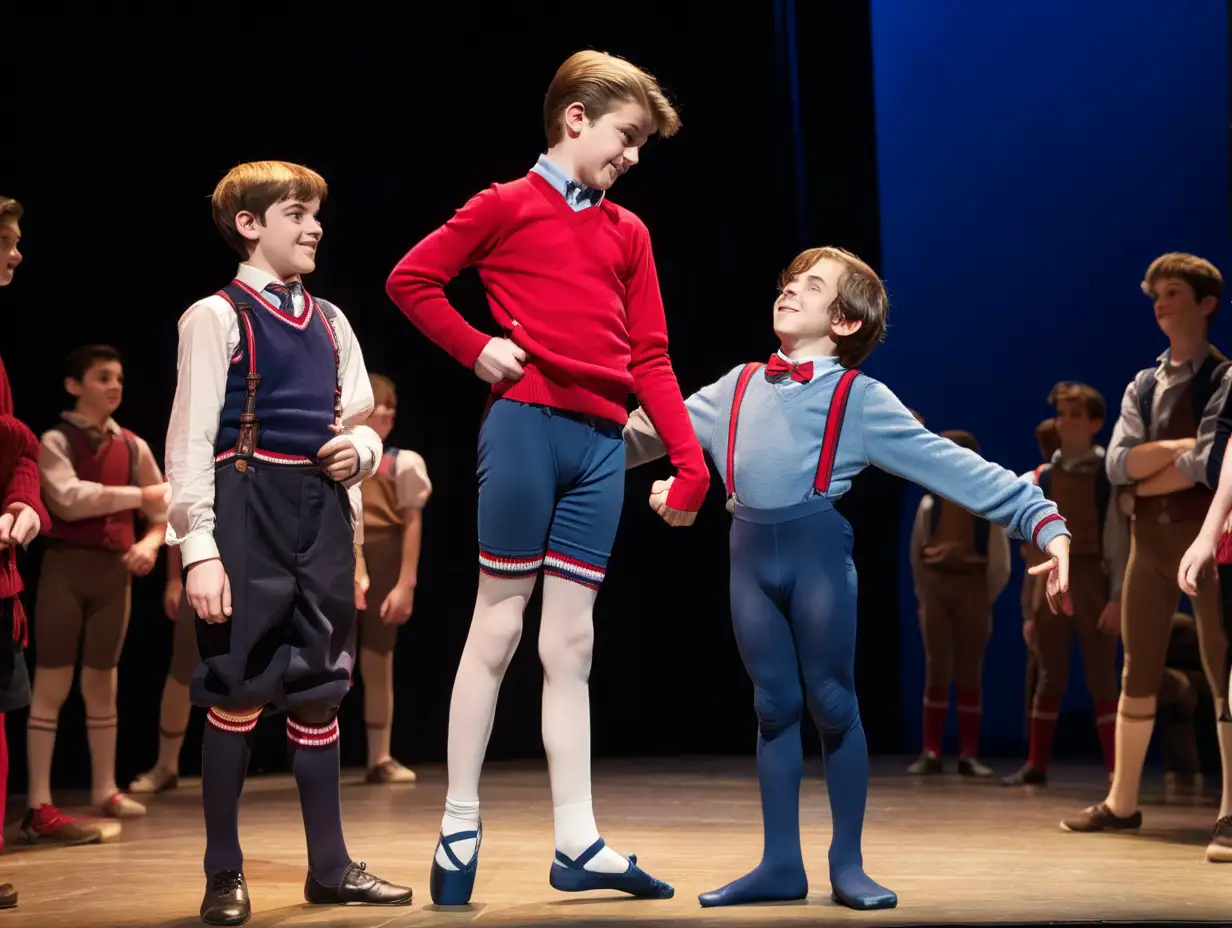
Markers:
300,323
552,195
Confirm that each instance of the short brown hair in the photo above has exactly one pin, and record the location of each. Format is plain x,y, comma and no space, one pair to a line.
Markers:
254,188
861,298
1072,391
10,210
600,82
1048,438
1202,276
382,388
79,361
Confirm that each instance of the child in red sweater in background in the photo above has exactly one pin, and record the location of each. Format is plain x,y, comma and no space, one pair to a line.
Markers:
571,281
22,517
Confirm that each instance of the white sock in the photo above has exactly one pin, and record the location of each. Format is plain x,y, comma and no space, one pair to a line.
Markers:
566,640
98,691
460,815
496,628
378,673
51,686
1134,724
1224,731
172,717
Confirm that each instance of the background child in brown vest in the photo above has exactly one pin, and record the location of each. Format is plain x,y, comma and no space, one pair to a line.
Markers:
393,499
1032,596
960,564
1169,443
95,476
1076,481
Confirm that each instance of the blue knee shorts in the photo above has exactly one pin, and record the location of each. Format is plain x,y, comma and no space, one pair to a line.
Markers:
551,486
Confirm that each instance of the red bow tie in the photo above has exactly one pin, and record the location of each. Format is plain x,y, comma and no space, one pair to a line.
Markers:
777,368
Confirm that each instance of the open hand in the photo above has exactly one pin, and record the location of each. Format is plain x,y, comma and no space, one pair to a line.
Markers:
500,360
1057,569
209,591
19,525
398,605
658,502
1197,563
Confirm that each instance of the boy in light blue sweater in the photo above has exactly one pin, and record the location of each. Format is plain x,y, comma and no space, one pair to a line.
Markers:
788,437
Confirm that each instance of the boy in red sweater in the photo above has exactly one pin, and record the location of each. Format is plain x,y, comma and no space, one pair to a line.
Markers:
571,281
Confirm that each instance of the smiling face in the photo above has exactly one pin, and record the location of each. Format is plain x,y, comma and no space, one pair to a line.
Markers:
284,242
99,391
10,257
604,150
803,312
1177,309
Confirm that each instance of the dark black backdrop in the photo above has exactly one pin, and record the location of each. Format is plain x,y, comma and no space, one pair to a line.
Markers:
117,142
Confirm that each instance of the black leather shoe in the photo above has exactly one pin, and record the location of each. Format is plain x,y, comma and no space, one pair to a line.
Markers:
8,896
358,885
226,899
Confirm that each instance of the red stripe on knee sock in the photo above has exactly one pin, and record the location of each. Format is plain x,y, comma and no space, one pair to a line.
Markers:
240,722
312,736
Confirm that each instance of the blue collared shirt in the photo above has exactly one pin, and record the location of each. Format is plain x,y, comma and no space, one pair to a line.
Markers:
577,195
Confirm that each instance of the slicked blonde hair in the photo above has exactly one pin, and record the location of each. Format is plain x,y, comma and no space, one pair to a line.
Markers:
601,82
255,187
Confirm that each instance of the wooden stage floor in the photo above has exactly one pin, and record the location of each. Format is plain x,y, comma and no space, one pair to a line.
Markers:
956,852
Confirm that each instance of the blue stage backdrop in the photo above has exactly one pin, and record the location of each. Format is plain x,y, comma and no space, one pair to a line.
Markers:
1033,160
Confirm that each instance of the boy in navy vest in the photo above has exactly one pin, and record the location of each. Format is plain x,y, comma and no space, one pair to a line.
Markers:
809,422
1077,481
960,564
394,499
96,477
1169,444
265,450
22,517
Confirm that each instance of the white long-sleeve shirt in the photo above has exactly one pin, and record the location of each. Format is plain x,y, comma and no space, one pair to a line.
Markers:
70,498
209,336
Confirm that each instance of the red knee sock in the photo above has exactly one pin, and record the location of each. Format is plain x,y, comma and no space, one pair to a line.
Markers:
1043,727
1105,724
968,701
936,708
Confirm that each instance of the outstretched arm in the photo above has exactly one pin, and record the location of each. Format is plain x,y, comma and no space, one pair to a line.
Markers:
896,442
